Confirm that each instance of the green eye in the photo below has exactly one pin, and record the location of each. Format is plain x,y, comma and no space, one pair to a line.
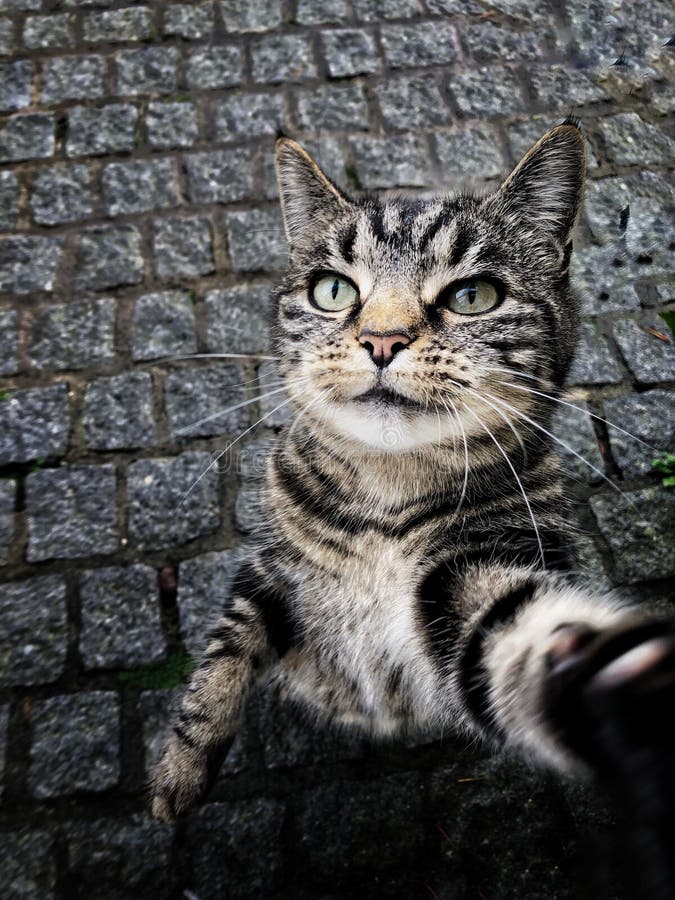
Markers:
470,297
333,293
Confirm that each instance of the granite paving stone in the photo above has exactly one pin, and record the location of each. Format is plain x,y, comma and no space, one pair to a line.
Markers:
280,58
374,10
650,418
15,80
72,78
9,200
414,102
256,240
273,407
171,124
485,93
29,264
121,625
256,15
631,141
27,136
238,319
601,283
150,70
27,865
198,399
557,87
492,41
470,153
638,528
7,504
401,161
34,424
252,458
322,12
61,195
249,513
157,709
423,44
117,26
163,325
35,631
75,744
96,131
47,32
333,106
235,848
350,51
594,362
248,115
4,726
6,36
118,412
223,176
172,500
73,335
71,512
183,247
212,68
649,358
9,342
189,21
139,186
108,256
574,428
203,589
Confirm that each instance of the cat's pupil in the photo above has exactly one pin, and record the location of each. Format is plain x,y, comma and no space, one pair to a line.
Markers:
335,288
467,293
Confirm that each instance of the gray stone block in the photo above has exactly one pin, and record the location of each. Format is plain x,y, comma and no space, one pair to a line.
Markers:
423,44
414,102
34,424
121,626
34,629
238,319
9,201
282,58
597,34
256,240
7,504
198,400
171,124
602,285
6,36
139,186
47,32
250,515
252,458
374,10
401,161
212,68
649,416
150,70
559,87
273,417
15,79
4,725
322,12
118,412
94,132
71,512
639,530
235,849
256,15
163,325
75,744
74,335
648,358
61,195
333,106
249,115
9,342
15,5
157,709
118,26
190,22
469,154
29,136
574,427
594,362
119,859
29,264
72,78
350,51
204,587
108,256
172,501
631,141
222,176
493,41
27,866
183,247
486,93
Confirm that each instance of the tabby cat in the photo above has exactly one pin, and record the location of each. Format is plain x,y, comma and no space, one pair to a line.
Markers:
414,569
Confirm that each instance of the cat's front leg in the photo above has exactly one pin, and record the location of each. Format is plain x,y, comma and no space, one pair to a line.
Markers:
242,643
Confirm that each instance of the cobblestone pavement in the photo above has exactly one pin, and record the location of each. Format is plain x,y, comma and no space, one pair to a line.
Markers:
139,227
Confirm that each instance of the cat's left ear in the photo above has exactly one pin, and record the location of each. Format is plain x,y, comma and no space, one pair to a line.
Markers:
309,199
545,190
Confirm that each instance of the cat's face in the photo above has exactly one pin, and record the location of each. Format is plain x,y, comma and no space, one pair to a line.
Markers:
398,318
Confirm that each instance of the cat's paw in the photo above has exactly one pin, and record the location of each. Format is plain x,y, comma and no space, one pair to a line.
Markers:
180,780
609,694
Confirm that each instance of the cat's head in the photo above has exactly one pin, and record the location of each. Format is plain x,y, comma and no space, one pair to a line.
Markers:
398,316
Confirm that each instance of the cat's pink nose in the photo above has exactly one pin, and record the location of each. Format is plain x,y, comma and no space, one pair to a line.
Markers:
383,347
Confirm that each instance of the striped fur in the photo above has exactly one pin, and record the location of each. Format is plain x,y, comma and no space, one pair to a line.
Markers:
401,582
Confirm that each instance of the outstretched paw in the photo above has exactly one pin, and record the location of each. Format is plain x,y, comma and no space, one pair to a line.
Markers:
181,778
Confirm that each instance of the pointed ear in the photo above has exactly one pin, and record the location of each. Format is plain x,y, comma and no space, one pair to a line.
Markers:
546,187
309,200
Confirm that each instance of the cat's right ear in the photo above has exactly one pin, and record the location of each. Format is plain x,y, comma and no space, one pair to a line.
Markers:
309,199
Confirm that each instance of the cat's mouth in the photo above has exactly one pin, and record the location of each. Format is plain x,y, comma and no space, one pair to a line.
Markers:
383,397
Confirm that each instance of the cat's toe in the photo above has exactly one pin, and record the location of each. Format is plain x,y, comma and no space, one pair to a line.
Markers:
180,781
